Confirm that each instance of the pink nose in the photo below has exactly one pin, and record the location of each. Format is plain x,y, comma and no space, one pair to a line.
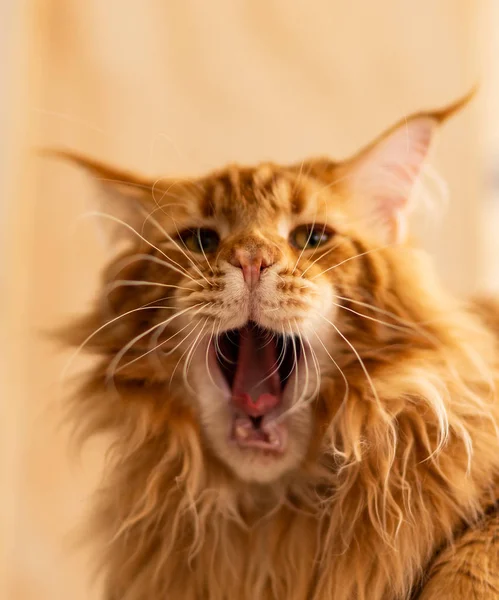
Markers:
251,266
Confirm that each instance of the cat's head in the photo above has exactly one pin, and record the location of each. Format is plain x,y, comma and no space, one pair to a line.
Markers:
257,298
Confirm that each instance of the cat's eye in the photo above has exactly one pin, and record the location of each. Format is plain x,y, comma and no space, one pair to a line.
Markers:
201,239
308,237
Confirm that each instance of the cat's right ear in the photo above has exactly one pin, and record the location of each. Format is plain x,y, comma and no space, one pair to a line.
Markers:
122,203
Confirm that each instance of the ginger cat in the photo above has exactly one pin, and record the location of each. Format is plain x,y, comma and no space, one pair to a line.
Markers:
298,410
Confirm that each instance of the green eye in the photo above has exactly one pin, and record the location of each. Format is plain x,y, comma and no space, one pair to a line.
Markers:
200,239
308,237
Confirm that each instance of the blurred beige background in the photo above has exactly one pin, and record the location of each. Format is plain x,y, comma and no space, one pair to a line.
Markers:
180,87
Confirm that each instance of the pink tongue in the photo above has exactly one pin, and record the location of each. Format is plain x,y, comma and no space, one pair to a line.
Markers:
255,390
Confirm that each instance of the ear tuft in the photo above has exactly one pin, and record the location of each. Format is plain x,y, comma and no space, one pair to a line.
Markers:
449,111
380,180
92,165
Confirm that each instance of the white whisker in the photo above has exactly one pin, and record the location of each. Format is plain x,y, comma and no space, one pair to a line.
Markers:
207,357
319,258
184,353
317,371
324,227
386,416
357,355
305,362
352,258
116,360
278,363
415,326
396,327
138,282
119,221
128,260
347,387
218,350
177,346
157,344
306,244
172,240
99,329
204,254
190,355
295,359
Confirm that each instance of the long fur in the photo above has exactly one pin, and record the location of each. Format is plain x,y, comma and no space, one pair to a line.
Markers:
403,457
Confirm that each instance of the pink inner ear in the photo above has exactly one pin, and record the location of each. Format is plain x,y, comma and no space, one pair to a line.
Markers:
382,178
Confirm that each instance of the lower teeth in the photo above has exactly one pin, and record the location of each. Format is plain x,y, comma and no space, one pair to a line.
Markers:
273,439
242,432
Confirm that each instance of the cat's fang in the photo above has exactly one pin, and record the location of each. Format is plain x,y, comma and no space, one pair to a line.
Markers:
241,432
270,437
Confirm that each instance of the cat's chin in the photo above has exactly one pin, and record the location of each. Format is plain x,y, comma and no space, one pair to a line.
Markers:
260,463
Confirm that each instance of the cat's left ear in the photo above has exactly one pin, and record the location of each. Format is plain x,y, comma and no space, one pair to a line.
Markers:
380,180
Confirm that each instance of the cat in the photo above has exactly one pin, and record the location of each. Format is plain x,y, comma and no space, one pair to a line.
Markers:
298,409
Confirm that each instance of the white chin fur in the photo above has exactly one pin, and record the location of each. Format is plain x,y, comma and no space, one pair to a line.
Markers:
217,421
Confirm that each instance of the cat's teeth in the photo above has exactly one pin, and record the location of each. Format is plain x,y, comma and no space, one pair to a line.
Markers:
242,432
273,439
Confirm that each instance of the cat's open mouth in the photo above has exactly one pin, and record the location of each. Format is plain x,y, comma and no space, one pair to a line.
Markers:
257,365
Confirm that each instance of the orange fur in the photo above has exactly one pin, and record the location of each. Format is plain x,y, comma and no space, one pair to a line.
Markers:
391,456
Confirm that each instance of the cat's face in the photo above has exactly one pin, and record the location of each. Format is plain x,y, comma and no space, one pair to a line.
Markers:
240,280
260,306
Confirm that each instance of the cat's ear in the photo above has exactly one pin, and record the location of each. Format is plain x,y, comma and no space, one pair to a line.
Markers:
380,180
121,202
